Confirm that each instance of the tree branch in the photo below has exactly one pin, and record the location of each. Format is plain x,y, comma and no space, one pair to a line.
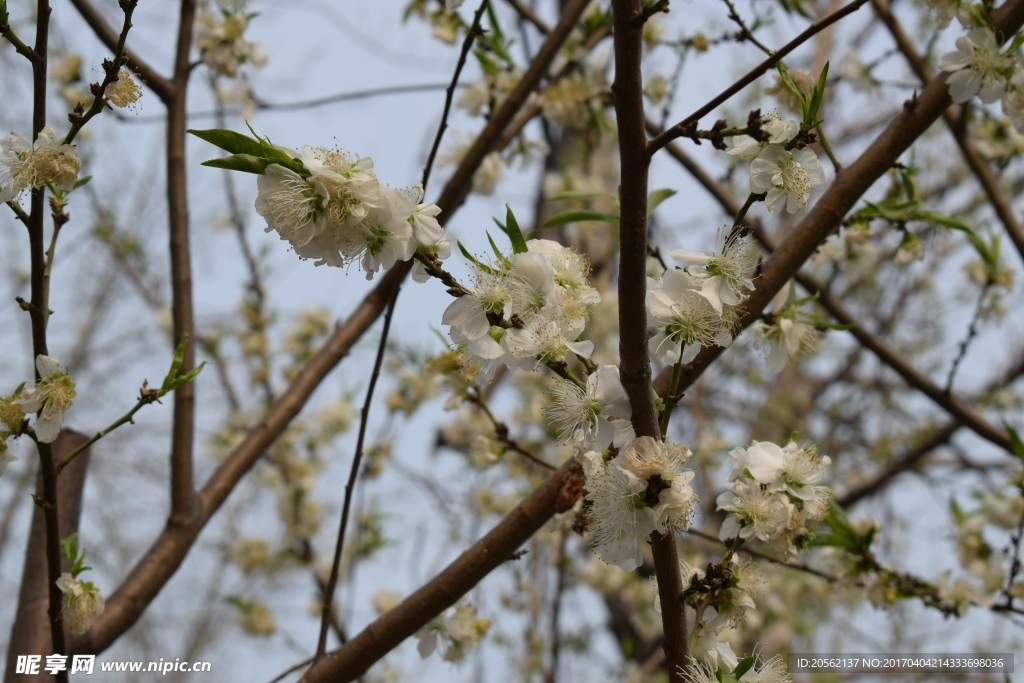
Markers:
386,632
978,165
183,495
635,363
157,83
163,558
827,214
678,129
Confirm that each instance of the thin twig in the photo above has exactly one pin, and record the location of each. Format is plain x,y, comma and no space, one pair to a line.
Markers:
110,75
467,45
353,474
527,13
972,331
47,497
163,88
677,130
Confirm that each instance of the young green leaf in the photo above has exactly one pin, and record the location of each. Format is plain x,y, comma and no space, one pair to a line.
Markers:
817,96
655,198
246,163
572,216
743,666
515,235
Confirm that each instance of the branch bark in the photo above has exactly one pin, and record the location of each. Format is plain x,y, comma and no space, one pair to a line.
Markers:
827,214
183,495
30,631
389,630
163,558
978,165
635,362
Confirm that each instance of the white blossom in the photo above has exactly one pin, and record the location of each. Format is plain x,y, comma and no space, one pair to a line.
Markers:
82,601
222,44
977,67
588,417
725,273
786,338
683,319
290,204
785,175
53,395
626,506
124,92
24,166
6,457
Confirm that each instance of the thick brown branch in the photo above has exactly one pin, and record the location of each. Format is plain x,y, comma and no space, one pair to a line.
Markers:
635,362
951,404
166,554
183,495
829,211
978,165
385,633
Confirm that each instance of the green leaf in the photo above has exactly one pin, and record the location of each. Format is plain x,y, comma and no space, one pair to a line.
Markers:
817,96
958,514
838,327
743,666
179,358
573,216
69,546
188,377
895,209
236,143
497,252
788,80
515,235
936,218
1016,444
473,259
246,163
81,181
580,194
655,198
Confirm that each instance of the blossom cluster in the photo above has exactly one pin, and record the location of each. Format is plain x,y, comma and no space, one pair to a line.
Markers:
457,635
772,493
524,311
642,489
221,40
337,212
777,169
721,663
731,604
979,67
695,307
24,166
50,397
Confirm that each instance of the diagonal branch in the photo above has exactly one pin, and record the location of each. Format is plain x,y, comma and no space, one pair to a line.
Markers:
168,551
964,414
163,88
978,165
826,215
386,632
680,128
